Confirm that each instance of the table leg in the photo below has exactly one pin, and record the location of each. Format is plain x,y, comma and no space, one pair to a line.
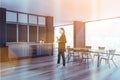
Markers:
98,62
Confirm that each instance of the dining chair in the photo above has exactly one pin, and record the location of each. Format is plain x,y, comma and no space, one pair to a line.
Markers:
73,53
86,55
109,57
97,54
70,53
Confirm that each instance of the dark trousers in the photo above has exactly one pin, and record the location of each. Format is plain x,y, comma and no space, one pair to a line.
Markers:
63,57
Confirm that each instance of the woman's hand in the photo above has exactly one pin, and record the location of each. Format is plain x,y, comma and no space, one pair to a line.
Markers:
57,38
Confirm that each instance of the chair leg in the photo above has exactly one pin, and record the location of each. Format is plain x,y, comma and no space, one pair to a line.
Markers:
93,57
108,63
100,61
92,60
68,58
105,62
81,61
114,63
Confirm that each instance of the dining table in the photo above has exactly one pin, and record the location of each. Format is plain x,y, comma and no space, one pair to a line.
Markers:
93,51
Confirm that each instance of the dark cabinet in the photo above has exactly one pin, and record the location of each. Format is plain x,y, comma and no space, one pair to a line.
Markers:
42,50
2,27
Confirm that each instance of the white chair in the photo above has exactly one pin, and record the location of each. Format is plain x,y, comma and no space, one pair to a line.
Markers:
109,57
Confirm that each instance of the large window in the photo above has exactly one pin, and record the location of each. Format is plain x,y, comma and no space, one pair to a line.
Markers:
104,33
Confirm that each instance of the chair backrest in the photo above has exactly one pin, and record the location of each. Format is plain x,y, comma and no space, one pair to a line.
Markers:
101,48
111,53
88,47
70,50
86,51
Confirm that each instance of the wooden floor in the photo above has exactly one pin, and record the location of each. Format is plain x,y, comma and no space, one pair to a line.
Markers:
44,68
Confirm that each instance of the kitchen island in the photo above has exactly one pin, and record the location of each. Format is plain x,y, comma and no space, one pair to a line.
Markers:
23,49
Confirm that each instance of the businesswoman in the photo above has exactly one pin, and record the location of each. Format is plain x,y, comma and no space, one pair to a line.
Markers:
61,46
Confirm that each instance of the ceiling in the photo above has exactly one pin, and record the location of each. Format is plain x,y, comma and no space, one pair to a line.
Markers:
67,11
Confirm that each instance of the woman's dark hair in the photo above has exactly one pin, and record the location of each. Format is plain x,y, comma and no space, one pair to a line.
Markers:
62,30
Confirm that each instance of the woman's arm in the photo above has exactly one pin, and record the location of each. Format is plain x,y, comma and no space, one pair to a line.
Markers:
62,39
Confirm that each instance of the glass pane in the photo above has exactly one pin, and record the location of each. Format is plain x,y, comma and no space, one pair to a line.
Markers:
10,16
41,21
32,19
22,18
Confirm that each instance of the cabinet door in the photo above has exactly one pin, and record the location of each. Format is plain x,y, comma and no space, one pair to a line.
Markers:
22,33
11,33
33,33
42,33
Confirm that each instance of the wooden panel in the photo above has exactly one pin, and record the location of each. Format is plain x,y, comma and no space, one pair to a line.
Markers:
11,33
79,34
3,54
49,29
50,35
33,34
22,33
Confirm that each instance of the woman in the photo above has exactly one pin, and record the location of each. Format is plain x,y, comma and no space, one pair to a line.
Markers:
61,46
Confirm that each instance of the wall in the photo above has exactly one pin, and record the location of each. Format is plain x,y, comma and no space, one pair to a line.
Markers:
101,9
65,11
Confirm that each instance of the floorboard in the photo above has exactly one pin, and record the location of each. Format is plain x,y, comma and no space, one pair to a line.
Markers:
44,68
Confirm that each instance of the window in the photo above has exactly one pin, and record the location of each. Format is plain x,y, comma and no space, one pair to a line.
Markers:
104,33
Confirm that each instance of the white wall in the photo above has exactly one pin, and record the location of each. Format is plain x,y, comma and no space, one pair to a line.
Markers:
101,9
66,11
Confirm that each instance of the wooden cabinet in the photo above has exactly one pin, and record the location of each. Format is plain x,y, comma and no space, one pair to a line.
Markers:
3,54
